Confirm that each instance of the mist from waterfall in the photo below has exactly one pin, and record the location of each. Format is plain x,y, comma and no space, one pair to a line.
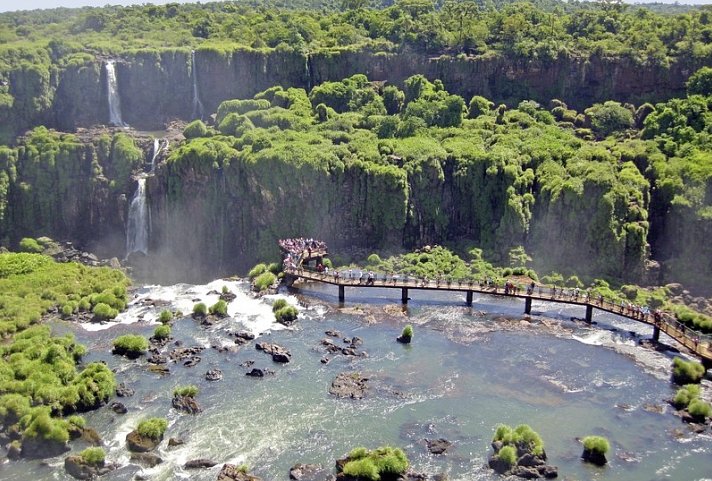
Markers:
112,88
137,227
197,104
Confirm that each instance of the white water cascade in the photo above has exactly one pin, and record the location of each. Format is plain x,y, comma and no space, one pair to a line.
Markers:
197,104
137,227
157,149
307,73
112,89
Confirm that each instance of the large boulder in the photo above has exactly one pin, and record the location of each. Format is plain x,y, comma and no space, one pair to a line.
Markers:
148,460
307,472
141,444
186,404
199,463
39,448
349,385
278,353
594,457
230,472
80,469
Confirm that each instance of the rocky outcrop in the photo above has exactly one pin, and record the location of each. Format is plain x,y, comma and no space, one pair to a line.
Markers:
186,404
214,375
438,446
527,465
349,385
278,353
141,444
76,467
307,472
201,463
39,448
148,460
230,472
594,457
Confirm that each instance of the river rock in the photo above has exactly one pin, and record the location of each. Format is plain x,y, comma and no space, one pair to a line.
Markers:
231,472
14,451
148,460
306,472
594,457
77,468
349,385
228,296
243,337
122,390
278,353
332,333
140,444
214,375
438,446
118,408
199,464
193,361
38,448
173,442
186,404
256,372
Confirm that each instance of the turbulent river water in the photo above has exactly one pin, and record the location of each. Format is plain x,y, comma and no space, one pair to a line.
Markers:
467,370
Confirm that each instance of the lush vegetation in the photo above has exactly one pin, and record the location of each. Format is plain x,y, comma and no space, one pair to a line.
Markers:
407,332
186,391
162,332
596,444
200,309
219,308
523,437
372,465
131,345
685,395
153,428
93,456
165,317
687,372
264,281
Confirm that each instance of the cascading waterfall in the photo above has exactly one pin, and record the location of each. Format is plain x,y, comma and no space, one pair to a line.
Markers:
307,73
112,88
158,147
137,227
197,104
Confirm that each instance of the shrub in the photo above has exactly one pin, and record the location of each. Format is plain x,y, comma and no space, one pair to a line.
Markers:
264,281
30,245
104,312
685,395
195,129
130,345
186,391
93,456
374,464
279,304
257,270
38,424
508,454
699,409
153,428
407,332
596,444
165,317
67,310
286,315
522,436
200,309
225,290
219,308
76,421
373,260
363,468
687,372
275,268
162,332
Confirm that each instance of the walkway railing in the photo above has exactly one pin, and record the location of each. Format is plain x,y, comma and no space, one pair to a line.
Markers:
698,343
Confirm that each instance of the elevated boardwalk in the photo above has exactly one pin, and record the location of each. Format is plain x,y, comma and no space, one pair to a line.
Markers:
699,344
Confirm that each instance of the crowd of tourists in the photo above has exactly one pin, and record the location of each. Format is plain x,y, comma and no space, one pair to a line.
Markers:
299,248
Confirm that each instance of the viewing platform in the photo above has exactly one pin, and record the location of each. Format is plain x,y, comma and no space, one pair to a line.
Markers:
697,343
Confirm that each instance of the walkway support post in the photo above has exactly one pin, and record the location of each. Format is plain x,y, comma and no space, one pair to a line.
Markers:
528,305
341,294
468,299
589,313
656,334
404,295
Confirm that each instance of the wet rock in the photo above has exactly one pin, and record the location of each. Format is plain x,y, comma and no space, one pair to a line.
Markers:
185,353
199,464
306,472
192,361
278,353
594,457
349,385
438,446
355,342
654,408
214,375
332,333
14,451
77,468
186,404
141,444
158,369
247,363
148,460
404,339
228,296
38,448
325,360
157,359
173,442
122,390
89,435
243,337
256,372
230,472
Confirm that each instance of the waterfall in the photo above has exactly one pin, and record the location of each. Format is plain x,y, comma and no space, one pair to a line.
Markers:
307,72
112,88
137,227
197,104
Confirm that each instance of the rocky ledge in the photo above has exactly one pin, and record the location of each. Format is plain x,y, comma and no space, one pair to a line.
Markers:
186,404
80,469
528,465
278,353
141,444
349,385
230,472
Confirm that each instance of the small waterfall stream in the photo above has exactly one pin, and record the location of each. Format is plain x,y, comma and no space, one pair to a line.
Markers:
197,104
158,147
112,89
139,219
307,72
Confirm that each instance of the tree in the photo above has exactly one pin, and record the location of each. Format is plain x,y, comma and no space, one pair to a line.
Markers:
608,118
393,99
518,257
700,82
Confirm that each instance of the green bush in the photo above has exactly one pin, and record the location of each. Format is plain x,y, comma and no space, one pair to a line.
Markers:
39,424
195,129
286,315
407,332
200,309
384,461
93,456
373,260
596,444
30,245
257,270
186,391
685,395
508,454
264,281
153,428
130,344
219,308
279,304
687,372
521,436
162,332
77,421
104,312
275,268
165,317
699,409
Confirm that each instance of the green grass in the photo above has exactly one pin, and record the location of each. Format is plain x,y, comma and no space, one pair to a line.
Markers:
165,317
30,245
372,465
699,409
93,456
264,281
286,315
279,304
508,454
687,372
219,308
596,444
162,332
257,270
186,391
200,309
685,395
521,436
153,428
131,344
407,332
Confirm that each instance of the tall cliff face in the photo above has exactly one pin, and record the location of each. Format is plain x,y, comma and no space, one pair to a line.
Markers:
156,86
